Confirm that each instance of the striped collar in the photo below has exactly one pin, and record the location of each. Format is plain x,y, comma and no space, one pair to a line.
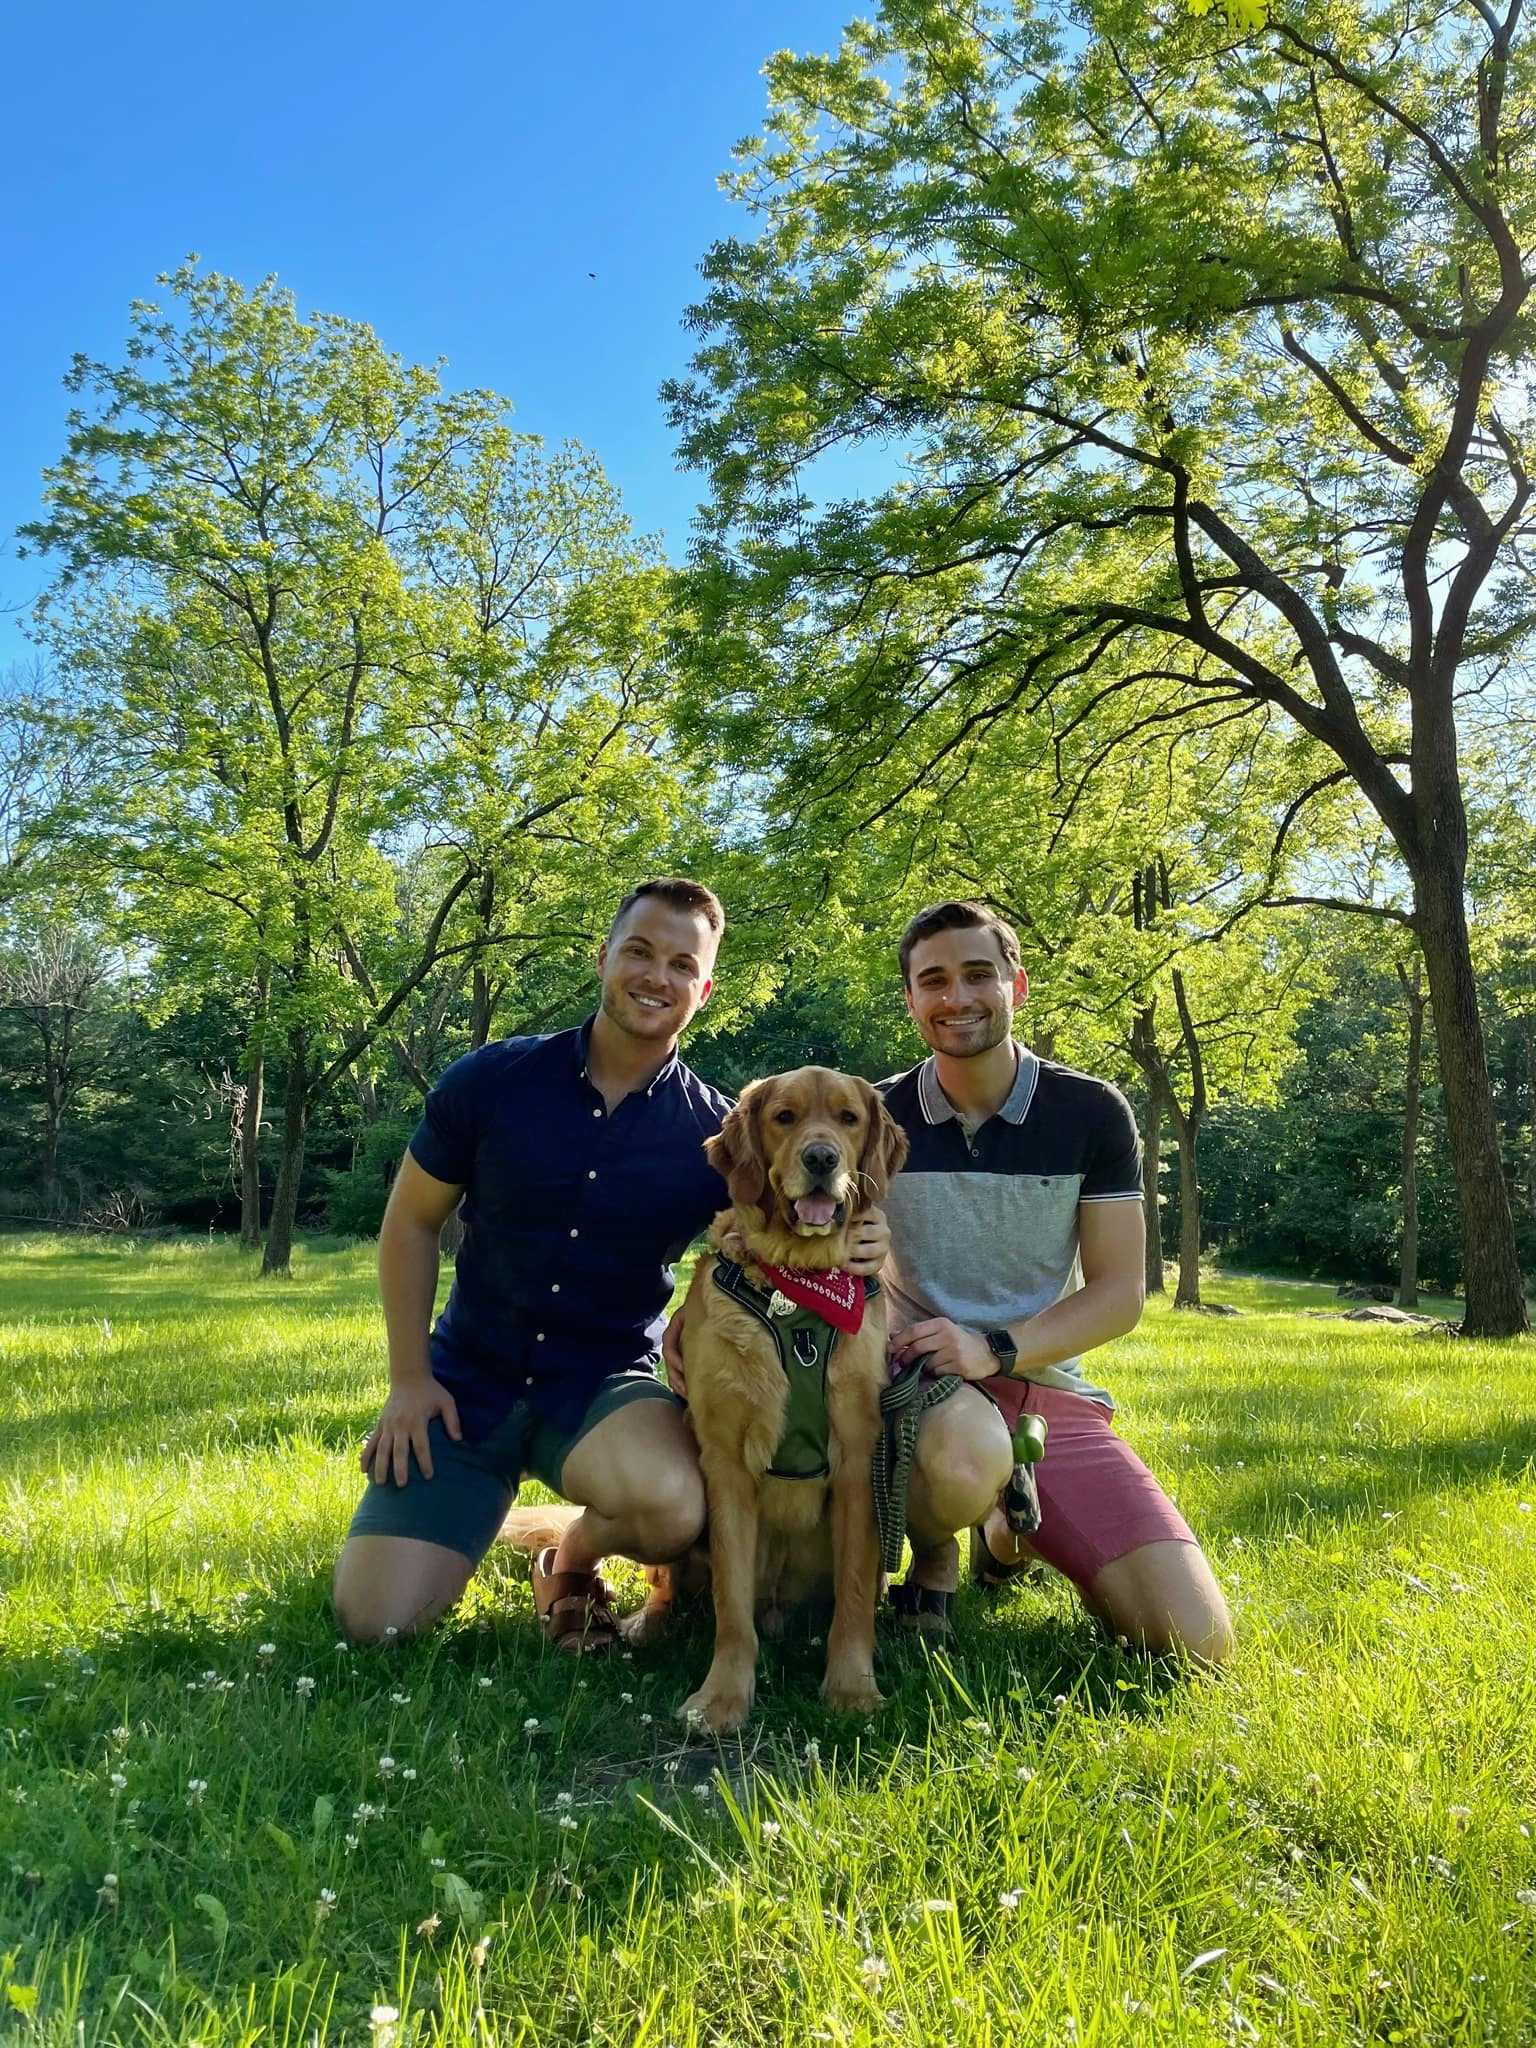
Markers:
937,1107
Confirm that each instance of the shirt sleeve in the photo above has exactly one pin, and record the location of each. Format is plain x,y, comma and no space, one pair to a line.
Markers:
1113,1172
446,1139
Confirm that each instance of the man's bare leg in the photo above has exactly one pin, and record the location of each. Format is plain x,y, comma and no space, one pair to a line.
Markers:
962,1463
636,1477
387,1586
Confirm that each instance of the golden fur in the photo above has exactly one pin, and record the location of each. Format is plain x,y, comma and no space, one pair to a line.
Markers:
771,1541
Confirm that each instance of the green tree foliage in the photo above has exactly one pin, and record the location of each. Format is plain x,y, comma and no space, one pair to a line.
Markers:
1205,355
342,627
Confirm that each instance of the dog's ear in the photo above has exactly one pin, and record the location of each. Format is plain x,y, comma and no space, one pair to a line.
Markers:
736,1153
885,1148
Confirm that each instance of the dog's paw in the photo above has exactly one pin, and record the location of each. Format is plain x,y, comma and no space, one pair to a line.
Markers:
647,1625
857,1693
716,1709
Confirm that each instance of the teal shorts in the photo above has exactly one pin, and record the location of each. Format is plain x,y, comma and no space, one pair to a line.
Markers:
465,1501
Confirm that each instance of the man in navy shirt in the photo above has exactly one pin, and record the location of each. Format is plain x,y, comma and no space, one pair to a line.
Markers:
580,1164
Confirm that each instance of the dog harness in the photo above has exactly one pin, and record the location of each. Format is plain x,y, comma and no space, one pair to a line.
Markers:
805,1341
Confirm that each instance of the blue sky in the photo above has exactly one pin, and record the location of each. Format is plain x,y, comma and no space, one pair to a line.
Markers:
449,174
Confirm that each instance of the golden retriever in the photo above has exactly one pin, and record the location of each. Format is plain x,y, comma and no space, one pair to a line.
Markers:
804,1156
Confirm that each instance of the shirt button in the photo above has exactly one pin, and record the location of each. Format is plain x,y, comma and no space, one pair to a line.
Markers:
597,1112
976,1154
591,1173
555,1289
539,1337
528,1383
575,1233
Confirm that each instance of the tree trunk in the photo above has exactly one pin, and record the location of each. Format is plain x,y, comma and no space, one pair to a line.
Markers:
481,1002
1530,1089
250,1128
1187,1130
1151,1201
1495,1293
1408,1282
51,1114
278,1256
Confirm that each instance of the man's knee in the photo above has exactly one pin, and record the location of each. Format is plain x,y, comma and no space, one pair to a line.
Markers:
381,1593
1165,1600
960,1466
667,1513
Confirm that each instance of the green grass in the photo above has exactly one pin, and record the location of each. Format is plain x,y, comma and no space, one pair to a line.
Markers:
1040,1840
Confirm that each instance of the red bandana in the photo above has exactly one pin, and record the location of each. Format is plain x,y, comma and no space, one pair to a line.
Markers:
837,1297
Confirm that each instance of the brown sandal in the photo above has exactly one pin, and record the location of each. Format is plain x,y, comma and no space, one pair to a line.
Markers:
575,1609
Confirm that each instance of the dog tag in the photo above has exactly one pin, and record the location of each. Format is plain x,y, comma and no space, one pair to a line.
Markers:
780,1304
805,1346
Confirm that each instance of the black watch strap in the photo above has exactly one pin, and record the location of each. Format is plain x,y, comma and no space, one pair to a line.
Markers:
1004,1350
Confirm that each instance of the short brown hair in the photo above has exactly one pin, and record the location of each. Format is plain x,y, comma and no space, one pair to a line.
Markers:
958,917
681,894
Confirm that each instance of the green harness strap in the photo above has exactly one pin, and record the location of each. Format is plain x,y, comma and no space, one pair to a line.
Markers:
805,1343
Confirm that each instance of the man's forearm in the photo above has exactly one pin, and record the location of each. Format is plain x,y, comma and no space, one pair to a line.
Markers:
408,1263
1097,1312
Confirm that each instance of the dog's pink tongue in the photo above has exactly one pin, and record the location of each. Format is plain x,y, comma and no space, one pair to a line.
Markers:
815,1209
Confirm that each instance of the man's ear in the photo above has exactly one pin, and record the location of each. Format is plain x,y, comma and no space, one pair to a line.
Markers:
885,1148
736,1153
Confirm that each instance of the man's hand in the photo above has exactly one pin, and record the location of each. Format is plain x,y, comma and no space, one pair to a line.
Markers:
402,1428
870,1244
945,1347
672,1353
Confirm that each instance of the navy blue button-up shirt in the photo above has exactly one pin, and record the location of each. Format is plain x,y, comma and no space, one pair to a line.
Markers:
572,1217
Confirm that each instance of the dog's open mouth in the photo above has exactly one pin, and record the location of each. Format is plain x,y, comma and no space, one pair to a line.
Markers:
818,1212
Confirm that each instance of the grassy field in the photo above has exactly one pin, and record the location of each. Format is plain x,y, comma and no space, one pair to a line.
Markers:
217,1825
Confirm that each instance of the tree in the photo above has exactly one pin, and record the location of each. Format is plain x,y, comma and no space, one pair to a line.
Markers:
51,978
1206,355
263,527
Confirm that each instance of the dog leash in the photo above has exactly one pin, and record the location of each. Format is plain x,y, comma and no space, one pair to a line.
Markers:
903,1404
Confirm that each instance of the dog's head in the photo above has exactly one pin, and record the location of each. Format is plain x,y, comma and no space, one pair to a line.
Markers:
804,1154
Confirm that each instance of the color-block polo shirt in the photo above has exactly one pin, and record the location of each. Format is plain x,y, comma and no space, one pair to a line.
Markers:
573,1215
984,1223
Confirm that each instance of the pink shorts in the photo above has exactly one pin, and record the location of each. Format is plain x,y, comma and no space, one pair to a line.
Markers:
1098,1501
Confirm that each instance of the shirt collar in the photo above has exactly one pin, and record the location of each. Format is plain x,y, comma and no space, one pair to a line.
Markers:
938,1109
658,1080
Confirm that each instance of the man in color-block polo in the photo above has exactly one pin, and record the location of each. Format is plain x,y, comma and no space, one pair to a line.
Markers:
1016,1247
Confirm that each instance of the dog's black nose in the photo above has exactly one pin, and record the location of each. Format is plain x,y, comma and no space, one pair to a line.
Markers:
821,1159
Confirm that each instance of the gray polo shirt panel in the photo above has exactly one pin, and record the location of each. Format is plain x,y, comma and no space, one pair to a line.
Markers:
984,1223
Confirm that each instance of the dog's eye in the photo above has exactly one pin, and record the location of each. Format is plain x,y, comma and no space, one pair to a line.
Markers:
784,1116
848,1116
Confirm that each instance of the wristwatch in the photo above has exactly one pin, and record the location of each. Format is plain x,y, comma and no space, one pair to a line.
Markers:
1004,1350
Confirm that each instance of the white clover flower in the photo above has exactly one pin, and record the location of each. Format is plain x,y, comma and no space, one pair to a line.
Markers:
384,2016
1525,1898
328,1895
626,1699
1061,1703
813,1751
1024,1774
771,1830
874,1970
117,1781
703,1791
480,1953
938,1905
342,1645
427,1928
1008,1901
564,1798
569,1820
19,1794
386,1767
1459,1815
390,1632
365,1811
210,1678
266,1650
400,1699
646,1720
439,1862
531,1725
109,1881
119,1734
304,1687
349,1843
485,1686
409,1774
196,1787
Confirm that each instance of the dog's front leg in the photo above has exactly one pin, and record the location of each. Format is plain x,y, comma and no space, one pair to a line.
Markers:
849,1686
723,1702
